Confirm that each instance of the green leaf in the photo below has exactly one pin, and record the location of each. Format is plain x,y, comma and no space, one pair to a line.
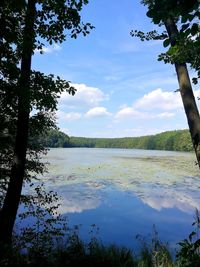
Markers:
150,13
156,20
194,29
190,17
197,244
166,42
191,235
184,19
185,26
194,80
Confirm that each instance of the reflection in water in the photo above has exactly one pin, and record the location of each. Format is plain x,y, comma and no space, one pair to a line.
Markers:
172,199
76,199
162,196
126,191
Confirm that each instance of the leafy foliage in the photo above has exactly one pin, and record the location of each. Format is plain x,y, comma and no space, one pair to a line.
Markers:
55,138
42,226
52,21
25,27
186,14
45,90
173,140
154,253
189,253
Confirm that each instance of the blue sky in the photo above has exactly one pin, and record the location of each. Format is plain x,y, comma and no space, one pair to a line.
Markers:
122,90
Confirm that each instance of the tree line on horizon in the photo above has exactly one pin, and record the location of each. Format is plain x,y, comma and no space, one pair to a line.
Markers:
178,140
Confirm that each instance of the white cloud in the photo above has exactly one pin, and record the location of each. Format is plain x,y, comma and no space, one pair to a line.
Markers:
131,112
162,100
97,112
155,104
85,96
164,115
158,99
127,112
68,116
50,49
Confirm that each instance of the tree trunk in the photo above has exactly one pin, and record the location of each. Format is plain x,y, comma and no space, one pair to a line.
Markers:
12,198
186,91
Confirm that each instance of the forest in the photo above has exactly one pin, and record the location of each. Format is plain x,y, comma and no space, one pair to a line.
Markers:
172,140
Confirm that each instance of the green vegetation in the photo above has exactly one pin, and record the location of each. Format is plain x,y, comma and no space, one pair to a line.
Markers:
74,252
173,140
94,254
55,138
189,253
27,27
181,22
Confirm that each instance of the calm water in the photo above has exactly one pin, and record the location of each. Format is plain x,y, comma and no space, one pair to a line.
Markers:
125,192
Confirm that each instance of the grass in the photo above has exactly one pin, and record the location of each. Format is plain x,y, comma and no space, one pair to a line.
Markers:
76,253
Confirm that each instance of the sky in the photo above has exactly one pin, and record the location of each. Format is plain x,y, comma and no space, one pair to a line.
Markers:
122,90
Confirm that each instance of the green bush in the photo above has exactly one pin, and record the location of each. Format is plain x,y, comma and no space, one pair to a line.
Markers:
189,253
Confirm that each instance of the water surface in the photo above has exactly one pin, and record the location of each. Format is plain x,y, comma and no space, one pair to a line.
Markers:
125,192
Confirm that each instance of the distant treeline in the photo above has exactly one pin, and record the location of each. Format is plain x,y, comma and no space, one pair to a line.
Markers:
172,140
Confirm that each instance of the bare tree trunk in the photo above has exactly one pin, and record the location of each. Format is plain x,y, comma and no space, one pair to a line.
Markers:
12,198
186,91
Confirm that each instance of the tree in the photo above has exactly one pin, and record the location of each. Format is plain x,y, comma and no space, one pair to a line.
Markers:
184,48
55,138
33,20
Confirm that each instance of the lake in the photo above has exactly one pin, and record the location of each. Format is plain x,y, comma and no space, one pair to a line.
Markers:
125,192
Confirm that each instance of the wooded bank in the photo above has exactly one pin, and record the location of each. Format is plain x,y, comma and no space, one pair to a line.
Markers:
178,140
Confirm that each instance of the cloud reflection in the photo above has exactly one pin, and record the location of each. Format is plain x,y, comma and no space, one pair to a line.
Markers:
78,198
179,200
165,195
165,182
